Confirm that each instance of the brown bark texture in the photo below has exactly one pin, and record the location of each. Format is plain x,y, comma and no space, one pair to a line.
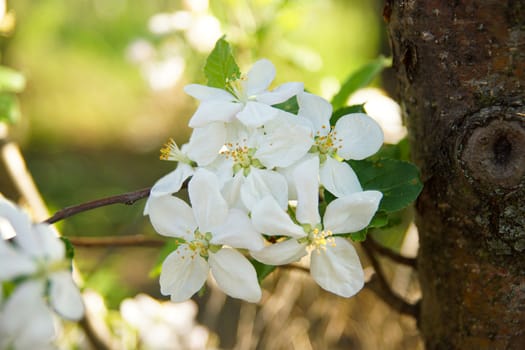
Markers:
460,67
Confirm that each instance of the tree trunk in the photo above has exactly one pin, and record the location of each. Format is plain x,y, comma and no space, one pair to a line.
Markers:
460,68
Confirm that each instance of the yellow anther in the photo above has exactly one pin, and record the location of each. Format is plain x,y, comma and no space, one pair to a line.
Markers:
319,239
168,148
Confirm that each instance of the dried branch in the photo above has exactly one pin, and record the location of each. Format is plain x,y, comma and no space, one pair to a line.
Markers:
116,241
373,245
126,198
379,285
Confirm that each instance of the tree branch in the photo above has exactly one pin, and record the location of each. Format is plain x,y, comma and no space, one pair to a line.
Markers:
373,245
116,241
126,198
379,285
97,340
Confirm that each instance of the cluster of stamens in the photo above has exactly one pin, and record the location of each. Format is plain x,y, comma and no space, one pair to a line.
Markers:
327,145
318,239
241,155
170,150
199,245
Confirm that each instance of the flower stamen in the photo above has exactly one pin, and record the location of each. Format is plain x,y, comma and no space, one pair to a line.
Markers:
318,239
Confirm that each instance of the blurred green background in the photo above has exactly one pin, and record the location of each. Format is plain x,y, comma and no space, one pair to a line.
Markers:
104,92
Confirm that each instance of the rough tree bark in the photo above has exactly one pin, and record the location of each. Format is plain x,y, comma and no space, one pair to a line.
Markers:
460,67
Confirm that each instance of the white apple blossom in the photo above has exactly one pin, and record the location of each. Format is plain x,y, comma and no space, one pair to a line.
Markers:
26,322
204,229
334,263
165,325
250,155
246,99
36,259
354,136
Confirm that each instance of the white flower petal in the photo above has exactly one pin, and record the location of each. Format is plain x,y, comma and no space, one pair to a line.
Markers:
65,296
235,275
255,114
47,238
26,304
172,182
183,274
337,269
206,142
41,242
231,192
259,77
306,179
353,212
269,218
281,253
285,141
261,183
214,111
206,93
16,217
281,93
171,216
317,110
14,263
209,207
339,178
362,136
238,232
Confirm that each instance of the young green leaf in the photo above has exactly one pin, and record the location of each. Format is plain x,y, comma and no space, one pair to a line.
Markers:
361,78
220,66
289,105
262,270
397,180
70,250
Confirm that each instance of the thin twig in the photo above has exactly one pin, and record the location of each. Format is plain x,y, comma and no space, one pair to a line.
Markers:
95,338
116,241
126,198
379,285
404,260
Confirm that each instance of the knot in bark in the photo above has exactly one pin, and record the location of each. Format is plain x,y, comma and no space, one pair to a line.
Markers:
492,152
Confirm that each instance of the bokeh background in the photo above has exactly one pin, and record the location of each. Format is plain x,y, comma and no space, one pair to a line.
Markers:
104,92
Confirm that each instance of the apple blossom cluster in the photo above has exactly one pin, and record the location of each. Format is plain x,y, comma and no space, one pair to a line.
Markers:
258,182
35,280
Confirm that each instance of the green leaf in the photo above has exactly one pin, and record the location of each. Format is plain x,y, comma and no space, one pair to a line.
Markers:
397,180
220,66
346,110
393,234
289,105
11,80
262,270
399,151
9,108
168,248
70,250
359,236
360,78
